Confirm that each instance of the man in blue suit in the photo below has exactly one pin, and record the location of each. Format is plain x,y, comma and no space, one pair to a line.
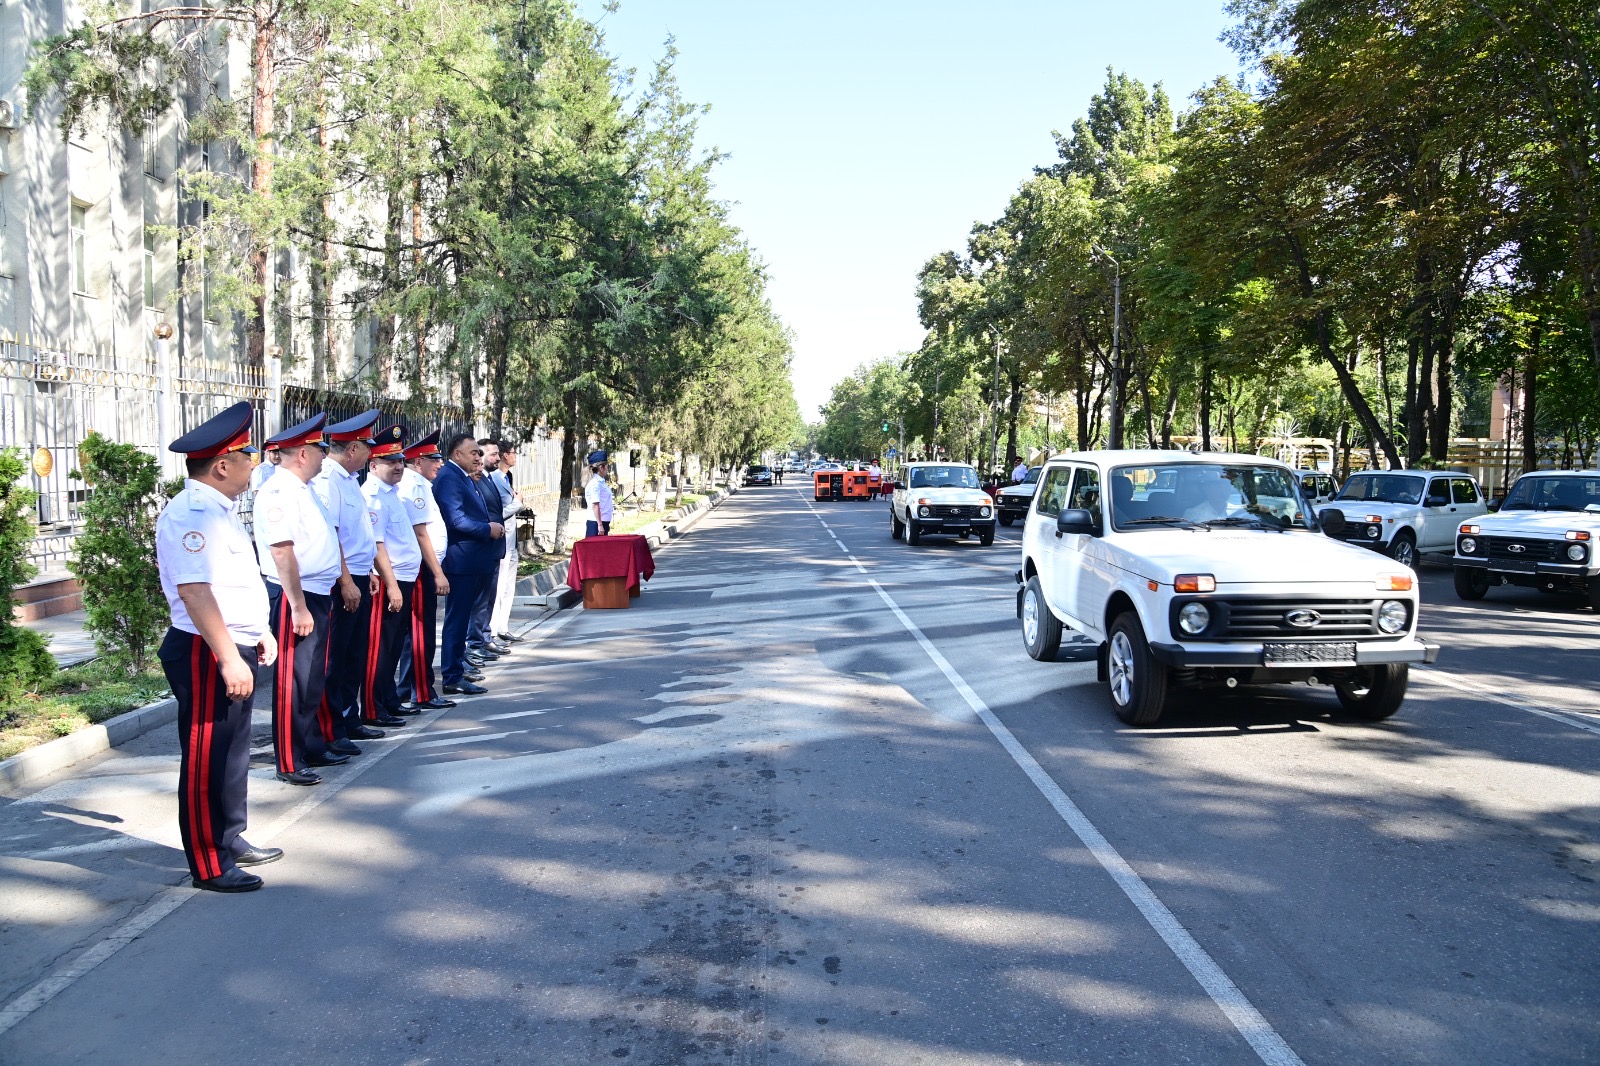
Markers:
472,560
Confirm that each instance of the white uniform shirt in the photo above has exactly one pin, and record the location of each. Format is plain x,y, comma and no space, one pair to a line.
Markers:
341,497
197,542
1020,472
598,491
259,475
286,509
391,524
416,492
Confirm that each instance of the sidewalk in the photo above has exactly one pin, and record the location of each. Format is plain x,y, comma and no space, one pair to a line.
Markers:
70,642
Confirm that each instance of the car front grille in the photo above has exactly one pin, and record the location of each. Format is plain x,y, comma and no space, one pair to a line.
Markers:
1544,551
955,511
1266,618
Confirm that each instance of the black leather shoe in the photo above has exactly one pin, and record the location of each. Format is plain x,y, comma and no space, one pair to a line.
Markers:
364,732
484,653
472,675
501,650
466,688
330,758
234,880
508,638
406,711
300,777
258,856
344,747
438,703
388,721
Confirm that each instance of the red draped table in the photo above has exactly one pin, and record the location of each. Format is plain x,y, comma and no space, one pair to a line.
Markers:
607,570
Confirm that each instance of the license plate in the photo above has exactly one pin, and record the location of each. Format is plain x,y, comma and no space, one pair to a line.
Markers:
1343,653
1520,566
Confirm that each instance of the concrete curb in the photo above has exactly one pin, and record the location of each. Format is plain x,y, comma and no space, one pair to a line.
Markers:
37,763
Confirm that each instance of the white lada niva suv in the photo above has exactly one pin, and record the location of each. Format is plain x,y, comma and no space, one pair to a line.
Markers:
940,498
1211,569
1545,535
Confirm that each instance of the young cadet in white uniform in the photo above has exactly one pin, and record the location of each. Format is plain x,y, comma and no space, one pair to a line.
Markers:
399,562
218,637
299,552
416,685
350,443
597,497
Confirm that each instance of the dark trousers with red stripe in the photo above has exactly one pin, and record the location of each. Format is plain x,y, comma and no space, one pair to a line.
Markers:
416,657
347,645
299,678
214,746
389,632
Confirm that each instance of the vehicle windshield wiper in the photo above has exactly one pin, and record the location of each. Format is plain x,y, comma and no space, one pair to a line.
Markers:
1162,520
1243,520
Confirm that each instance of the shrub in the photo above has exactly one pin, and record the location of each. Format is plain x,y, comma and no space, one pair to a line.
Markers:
25,660
116,552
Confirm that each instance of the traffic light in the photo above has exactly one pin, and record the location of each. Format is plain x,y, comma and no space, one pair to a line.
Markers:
886,426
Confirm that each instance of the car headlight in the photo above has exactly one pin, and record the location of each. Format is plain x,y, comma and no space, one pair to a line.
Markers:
922,512
1577,552
1468,545
983,512
1393,616
1373,531
1193,618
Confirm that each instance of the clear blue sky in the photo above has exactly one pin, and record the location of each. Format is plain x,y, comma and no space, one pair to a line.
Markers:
865,137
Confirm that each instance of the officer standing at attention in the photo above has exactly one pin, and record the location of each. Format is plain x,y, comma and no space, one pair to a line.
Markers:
299,552
597,496
399,562
349,444
210,654
416,685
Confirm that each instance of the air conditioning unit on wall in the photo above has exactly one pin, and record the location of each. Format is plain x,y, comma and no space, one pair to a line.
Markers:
8,115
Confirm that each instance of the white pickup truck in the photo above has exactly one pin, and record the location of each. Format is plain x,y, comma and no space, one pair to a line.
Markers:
1402,513
1194,570
1545,535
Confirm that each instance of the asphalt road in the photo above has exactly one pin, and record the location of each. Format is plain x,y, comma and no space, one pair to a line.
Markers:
810,802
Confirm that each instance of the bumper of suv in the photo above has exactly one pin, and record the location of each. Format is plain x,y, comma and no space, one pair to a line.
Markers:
1368,653
1578,571
940,524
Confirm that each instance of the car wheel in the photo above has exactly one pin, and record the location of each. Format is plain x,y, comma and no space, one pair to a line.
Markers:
986,538
913,532
1377,693
1471,583
897,528
1005,520
1404,549
1137,683
1041,630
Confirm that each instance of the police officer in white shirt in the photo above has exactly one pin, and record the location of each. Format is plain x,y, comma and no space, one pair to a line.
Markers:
399,562
218,637
299,552
597,496
416,684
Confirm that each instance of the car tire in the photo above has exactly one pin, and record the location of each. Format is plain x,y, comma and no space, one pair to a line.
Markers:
986,538
1041,629
913,532
1403,549
1005,520
897,528
1471,583
1136,683
1378,695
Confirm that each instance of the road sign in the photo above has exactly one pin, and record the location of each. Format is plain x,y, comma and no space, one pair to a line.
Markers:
892,452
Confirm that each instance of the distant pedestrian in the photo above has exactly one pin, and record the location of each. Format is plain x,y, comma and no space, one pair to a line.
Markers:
219,635
1020,471
597,496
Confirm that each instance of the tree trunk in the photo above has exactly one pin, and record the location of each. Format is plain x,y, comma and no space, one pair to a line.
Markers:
264,79
569,469
1530,403
1205,409
1013,408
1170,413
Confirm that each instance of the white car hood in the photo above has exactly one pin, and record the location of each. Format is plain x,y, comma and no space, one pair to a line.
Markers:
1025,491
1354,510
1538,523
950,496
1240,556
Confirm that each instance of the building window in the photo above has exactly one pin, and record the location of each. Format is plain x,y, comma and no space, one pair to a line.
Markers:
149,269
80,248
152,142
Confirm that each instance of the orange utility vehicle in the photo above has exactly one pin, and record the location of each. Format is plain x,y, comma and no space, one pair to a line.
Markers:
842,485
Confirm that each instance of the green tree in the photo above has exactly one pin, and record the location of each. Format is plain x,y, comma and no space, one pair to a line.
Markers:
24,655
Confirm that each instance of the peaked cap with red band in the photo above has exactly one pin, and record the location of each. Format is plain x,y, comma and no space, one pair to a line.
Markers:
390,443
358,428
426,448
220,434
307,432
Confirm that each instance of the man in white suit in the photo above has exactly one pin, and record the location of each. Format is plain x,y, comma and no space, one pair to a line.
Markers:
505,592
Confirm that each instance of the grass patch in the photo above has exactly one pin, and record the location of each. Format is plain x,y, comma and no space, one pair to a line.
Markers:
72,699
529,567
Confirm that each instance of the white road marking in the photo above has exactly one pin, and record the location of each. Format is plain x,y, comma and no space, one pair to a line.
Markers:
478,739
1233,1003
1438,677
513,714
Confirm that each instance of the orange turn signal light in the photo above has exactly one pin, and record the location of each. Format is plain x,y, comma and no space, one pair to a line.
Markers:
1395,582
1194,583
1471,529
1577,534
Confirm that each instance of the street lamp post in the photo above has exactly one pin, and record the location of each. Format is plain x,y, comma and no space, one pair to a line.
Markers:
994,429
1114,437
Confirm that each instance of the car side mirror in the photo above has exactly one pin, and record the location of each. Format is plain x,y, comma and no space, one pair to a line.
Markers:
1076,520
1437,501
1495,502
1332,520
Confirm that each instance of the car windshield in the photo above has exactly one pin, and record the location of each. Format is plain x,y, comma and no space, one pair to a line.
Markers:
759,470
1575,493
1383,488
943,477
1032,478
1207,496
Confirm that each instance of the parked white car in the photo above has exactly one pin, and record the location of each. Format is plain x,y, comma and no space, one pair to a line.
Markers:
1209,569
940,498
1545,535
1403,513
1012,501
1317,487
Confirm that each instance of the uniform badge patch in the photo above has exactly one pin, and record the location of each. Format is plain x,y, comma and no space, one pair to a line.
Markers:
416,501
194,541
372,516
275,515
